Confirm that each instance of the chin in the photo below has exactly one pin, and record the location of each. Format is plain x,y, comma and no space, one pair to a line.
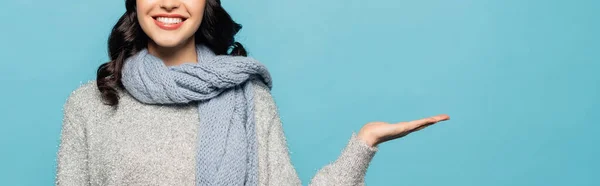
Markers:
168,43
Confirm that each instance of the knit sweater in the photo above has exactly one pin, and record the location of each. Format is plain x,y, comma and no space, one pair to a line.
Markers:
143,144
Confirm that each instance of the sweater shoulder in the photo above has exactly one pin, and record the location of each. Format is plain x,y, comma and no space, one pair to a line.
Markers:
86,98
265,106
262,94
259,86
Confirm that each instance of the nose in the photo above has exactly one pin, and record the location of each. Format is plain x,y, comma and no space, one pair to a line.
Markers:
170,4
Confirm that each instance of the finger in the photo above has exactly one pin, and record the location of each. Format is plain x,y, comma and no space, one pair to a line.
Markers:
422,123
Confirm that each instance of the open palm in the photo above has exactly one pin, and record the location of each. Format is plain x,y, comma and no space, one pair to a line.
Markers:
375,133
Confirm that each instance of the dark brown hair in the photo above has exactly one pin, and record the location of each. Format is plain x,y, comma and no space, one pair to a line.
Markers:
216,31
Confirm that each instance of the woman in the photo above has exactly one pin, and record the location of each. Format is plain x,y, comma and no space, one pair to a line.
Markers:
180,104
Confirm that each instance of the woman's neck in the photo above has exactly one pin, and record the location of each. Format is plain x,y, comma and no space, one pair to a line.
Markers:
173,56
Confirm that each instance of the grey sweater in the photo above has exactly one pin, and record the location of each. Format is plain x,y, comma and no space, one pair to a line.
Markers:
141,144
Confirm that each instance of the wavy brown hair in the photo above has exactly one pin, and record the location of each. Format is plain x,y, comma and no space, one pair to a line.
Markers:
216,31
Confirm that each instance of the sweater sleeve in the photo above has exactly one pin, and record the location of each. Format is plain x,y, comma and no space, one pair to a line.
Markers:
72,168
349,168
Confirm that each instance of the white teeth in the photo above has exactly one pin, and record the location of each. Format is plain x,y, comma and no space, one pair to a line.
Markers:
169,20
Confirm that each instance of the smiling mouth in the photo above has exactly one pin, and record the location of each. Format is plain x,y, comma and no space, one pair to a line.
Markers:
169,22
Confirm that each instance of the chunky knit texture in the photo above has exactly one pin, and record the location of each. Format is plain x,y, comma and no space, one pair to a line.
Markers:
142,144
226,152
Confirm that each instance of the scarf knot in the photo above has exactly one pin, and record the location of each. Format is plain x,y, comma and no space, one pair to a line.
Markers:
226,148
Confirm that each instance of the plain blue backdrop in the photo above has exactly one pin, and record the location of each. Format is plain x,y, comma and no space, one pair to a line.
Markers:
519,79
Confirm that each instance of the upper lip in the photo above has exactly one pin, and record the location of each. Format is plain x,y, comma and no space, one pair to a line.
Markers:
169,15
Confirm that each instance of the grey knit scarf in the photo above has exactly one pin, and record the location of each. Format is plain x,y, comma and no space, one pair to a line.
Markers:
227,146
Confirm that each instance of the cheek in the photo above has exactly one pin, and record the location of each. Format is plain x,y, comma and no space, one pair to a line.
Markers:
142,9
145,24
195,6
197,11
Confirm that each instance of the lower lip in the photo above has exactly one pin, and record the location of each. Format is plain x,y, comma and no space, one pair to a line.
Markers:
168,26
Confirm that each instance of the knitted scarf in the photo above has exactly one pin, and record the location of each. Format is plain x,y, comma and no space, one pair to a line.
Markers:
227,146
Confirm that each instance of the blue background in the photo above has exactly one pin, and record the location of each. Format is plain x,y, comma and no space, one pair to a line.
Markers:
519,79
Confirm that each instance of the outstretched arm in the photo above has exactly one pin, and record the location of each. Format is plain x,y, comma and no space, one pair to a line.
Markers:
276,166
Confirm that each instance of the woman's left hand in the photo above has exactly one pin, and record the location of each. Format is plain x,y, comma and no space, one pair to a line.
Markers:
375,133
